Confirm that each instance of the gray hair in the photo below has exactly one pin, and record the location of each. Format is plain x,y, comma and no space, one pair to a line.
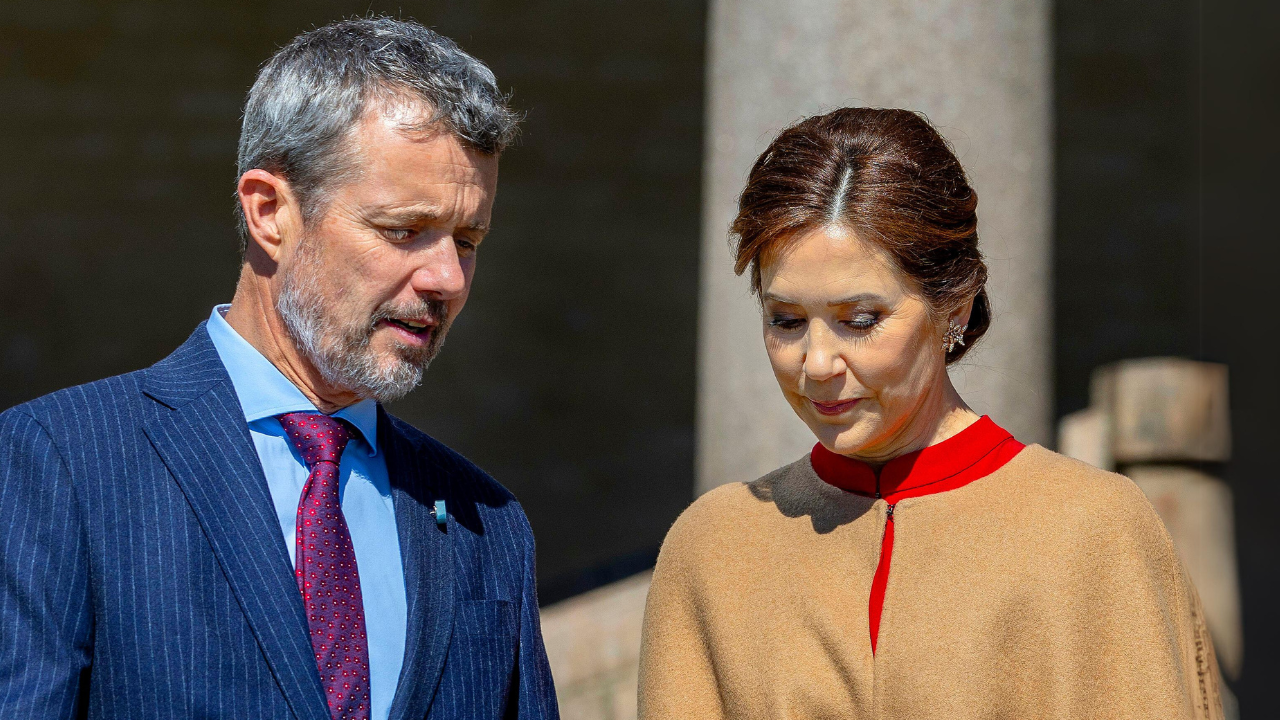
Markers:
310,96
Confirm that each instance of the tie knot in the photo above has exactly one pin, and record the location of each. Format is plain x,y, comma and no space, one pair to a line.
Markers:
319,438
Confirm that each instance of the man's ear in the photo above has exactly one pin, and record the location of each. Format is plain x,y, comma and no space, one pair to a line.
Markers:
271,213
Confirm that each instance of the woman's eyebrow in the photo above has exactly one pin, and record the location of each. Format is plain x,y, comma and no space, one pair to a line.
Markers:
855,299
851,300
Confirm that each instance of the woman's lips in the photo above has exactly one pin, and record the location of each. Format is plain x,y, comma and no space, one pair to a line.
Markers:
834,407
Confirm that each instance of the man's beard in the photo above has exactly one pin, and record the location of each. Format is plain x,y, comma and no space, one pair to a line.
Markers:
342,352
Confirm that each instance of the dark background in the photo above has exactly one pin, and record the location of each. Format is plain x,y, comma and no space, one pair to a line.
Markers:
1238,257
570,376
1165,179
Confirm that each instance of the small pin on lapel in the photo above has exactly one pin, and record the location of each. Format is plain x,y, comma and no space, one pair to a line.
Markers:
442,518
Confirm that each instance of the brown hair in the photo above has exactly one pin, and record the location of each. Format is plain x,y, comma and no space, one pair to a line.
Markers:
889,176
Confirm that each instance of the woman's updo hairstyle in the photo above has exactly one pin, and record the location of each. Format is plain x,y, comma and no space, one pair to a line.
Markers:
893,180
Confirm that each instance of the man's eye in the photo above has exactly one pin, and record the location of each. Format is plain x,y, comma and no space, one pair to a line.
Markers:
785,322
465,244
398,234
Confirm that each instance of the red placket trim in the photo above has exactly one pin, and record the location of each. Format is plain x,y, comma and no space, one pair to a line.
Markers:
880,581
973,453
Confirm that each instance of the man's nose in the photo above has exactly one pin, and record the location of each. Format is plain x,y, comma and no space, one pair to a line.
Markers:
440,273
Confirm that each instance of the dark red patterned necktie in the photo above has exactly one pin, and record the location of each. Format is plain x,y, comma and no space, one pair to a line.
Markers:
325,566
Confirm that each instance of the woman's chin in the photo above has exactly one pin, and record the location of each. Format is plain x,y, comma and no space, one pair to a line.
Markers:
843,439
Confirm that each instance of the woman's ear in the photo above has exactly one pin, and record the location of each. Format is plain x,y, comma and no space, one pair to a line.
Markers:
270,211
960,316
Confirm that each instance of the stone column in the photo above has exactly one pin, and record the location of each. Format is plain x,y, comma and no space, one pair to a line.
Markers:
1165,423
980,69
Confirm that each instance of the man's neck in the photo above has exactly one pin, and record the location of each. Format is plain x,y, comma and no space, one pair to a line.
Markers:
253,316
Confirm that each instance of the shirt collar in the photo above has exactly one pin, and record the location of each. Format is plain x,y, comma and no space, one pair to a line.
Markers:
974,452
265,392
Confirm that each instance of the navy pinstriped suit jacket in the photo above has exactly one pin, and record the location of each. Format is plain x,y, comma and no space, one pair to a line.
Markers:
143,575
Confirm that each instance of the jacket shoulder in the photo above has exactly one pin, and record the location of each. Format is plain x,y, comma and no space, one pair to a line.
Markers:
1058,474
1080,494
732,513
720,505
187,372
464,476
81,406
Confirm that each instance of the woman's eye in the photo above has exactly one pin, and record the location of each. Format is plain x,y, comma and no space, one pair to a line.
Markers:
786,323
863,321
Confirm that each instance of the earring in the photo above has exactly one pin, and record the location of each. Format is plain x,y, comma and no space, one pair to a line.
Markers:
954,336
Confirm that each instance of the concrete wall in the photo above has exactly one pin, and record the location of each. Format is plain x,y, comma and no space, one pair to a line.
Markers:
980,71
593,645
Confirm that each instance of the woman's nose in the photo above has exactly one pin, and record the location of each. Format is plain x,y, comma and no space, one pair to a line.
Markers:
822,359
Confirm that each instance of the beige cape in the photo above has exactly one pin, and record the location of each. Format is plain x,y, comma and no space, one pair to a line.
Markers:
1048,589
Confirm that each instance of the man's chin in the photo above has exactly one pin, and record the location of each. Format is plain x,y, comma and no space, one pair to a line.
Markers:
398,359
391,382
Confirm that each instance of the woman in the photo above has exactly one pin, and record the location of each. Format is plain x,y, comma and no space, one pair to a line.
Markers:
920,562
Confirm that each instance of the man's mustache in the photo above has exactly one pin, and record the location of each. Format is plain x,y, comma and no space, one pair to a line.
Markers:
434,312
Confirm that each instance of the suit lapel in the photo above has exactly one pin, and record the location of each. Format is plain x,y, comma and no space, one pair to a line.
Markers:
204,441
427,553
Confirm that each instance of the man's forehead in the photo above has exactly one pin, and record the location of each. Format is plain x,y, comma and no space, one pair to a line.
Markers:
383,139
420,173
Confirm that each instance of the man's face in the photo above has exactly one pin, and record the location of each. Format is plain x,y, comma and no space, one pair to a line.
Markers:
368,293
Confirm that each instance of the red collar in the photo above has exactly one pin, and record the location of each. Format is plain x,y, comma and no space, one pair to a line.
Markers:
975,452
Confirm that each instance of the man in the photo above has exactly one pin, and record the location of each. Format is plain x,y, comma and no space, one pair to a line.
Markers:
241,530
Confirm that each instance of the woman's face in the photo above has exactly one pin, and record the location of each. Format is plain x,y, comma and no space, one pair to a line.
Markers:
854,346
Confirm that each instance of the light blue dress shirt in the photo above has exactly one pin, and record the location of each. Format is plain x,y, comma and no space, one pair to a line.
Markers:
364,488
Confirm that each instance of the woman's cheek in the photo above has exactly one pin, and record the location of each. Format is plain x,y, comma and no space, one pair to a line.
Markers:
877,368
887,370
785,358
